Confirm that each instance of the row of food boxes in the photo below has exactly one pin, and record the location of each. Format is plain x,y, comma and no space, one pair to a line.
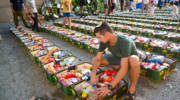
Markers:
60,66
136,23
145,17
171,36
156,14
165,48
149,21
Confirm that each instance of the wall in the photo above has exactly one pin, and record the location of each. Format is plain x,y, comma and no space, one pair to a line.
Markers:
5,11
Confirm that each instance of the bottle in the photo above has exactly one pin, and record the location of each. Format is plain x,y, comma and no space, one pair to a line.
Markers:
92,93
86,92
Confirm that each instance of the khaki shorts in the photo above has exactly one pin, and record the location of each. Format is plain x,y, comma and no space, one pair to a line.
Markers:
146,6
111,59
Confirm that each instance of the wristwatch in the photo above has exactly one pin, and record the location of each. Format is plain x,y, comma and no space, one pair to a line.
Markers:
110,87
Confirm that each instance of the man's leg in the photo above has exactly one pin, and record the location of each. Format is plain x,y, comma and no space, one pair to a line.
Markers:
35,26
106,11
122,4
49,10
143,8
81,7
134,72
153,11
109,8
36,22
69,18
147,8
114,8
23,18
59,12
65,20
15,19
45,9
52,11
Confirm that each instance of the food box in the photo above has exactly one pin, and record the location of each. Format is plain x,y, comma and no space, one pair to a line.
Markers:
73,76
158,67
50,72
61,54
46,59
85,90
52,49
38,53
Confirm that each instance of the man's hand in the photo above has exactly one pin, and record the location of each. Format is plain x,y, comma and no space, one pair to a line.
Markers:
33,15
102,92
94,78
13,11
31,22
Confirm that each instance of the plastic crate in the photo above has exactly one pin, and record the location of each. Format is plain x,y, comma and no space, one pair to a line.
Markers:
50,76
143,71
175,55
156,75
122,88
68,89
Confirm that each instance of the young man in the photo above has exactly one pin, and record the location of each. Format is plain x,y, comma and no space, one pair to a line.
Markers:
31,6
17,7
67,9
123,57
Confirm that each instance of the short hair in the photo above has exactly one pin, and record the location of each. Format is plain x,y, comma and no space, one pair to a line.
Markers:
171,3
104,27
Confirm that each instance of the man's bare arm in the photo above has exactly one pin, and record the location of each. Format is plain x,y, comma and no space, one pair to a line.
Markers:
96,61
121,73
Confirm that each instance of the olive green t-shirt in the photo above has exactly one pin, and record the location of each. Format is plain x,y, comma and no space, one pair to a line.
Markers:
124,47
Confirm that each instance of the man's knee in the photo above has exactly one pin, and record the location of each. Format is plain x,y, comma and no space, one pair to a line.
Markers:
134,58
134,61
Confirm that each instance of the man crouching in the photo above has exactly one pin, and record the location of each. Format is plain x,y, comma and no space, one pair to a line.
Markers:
123,55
